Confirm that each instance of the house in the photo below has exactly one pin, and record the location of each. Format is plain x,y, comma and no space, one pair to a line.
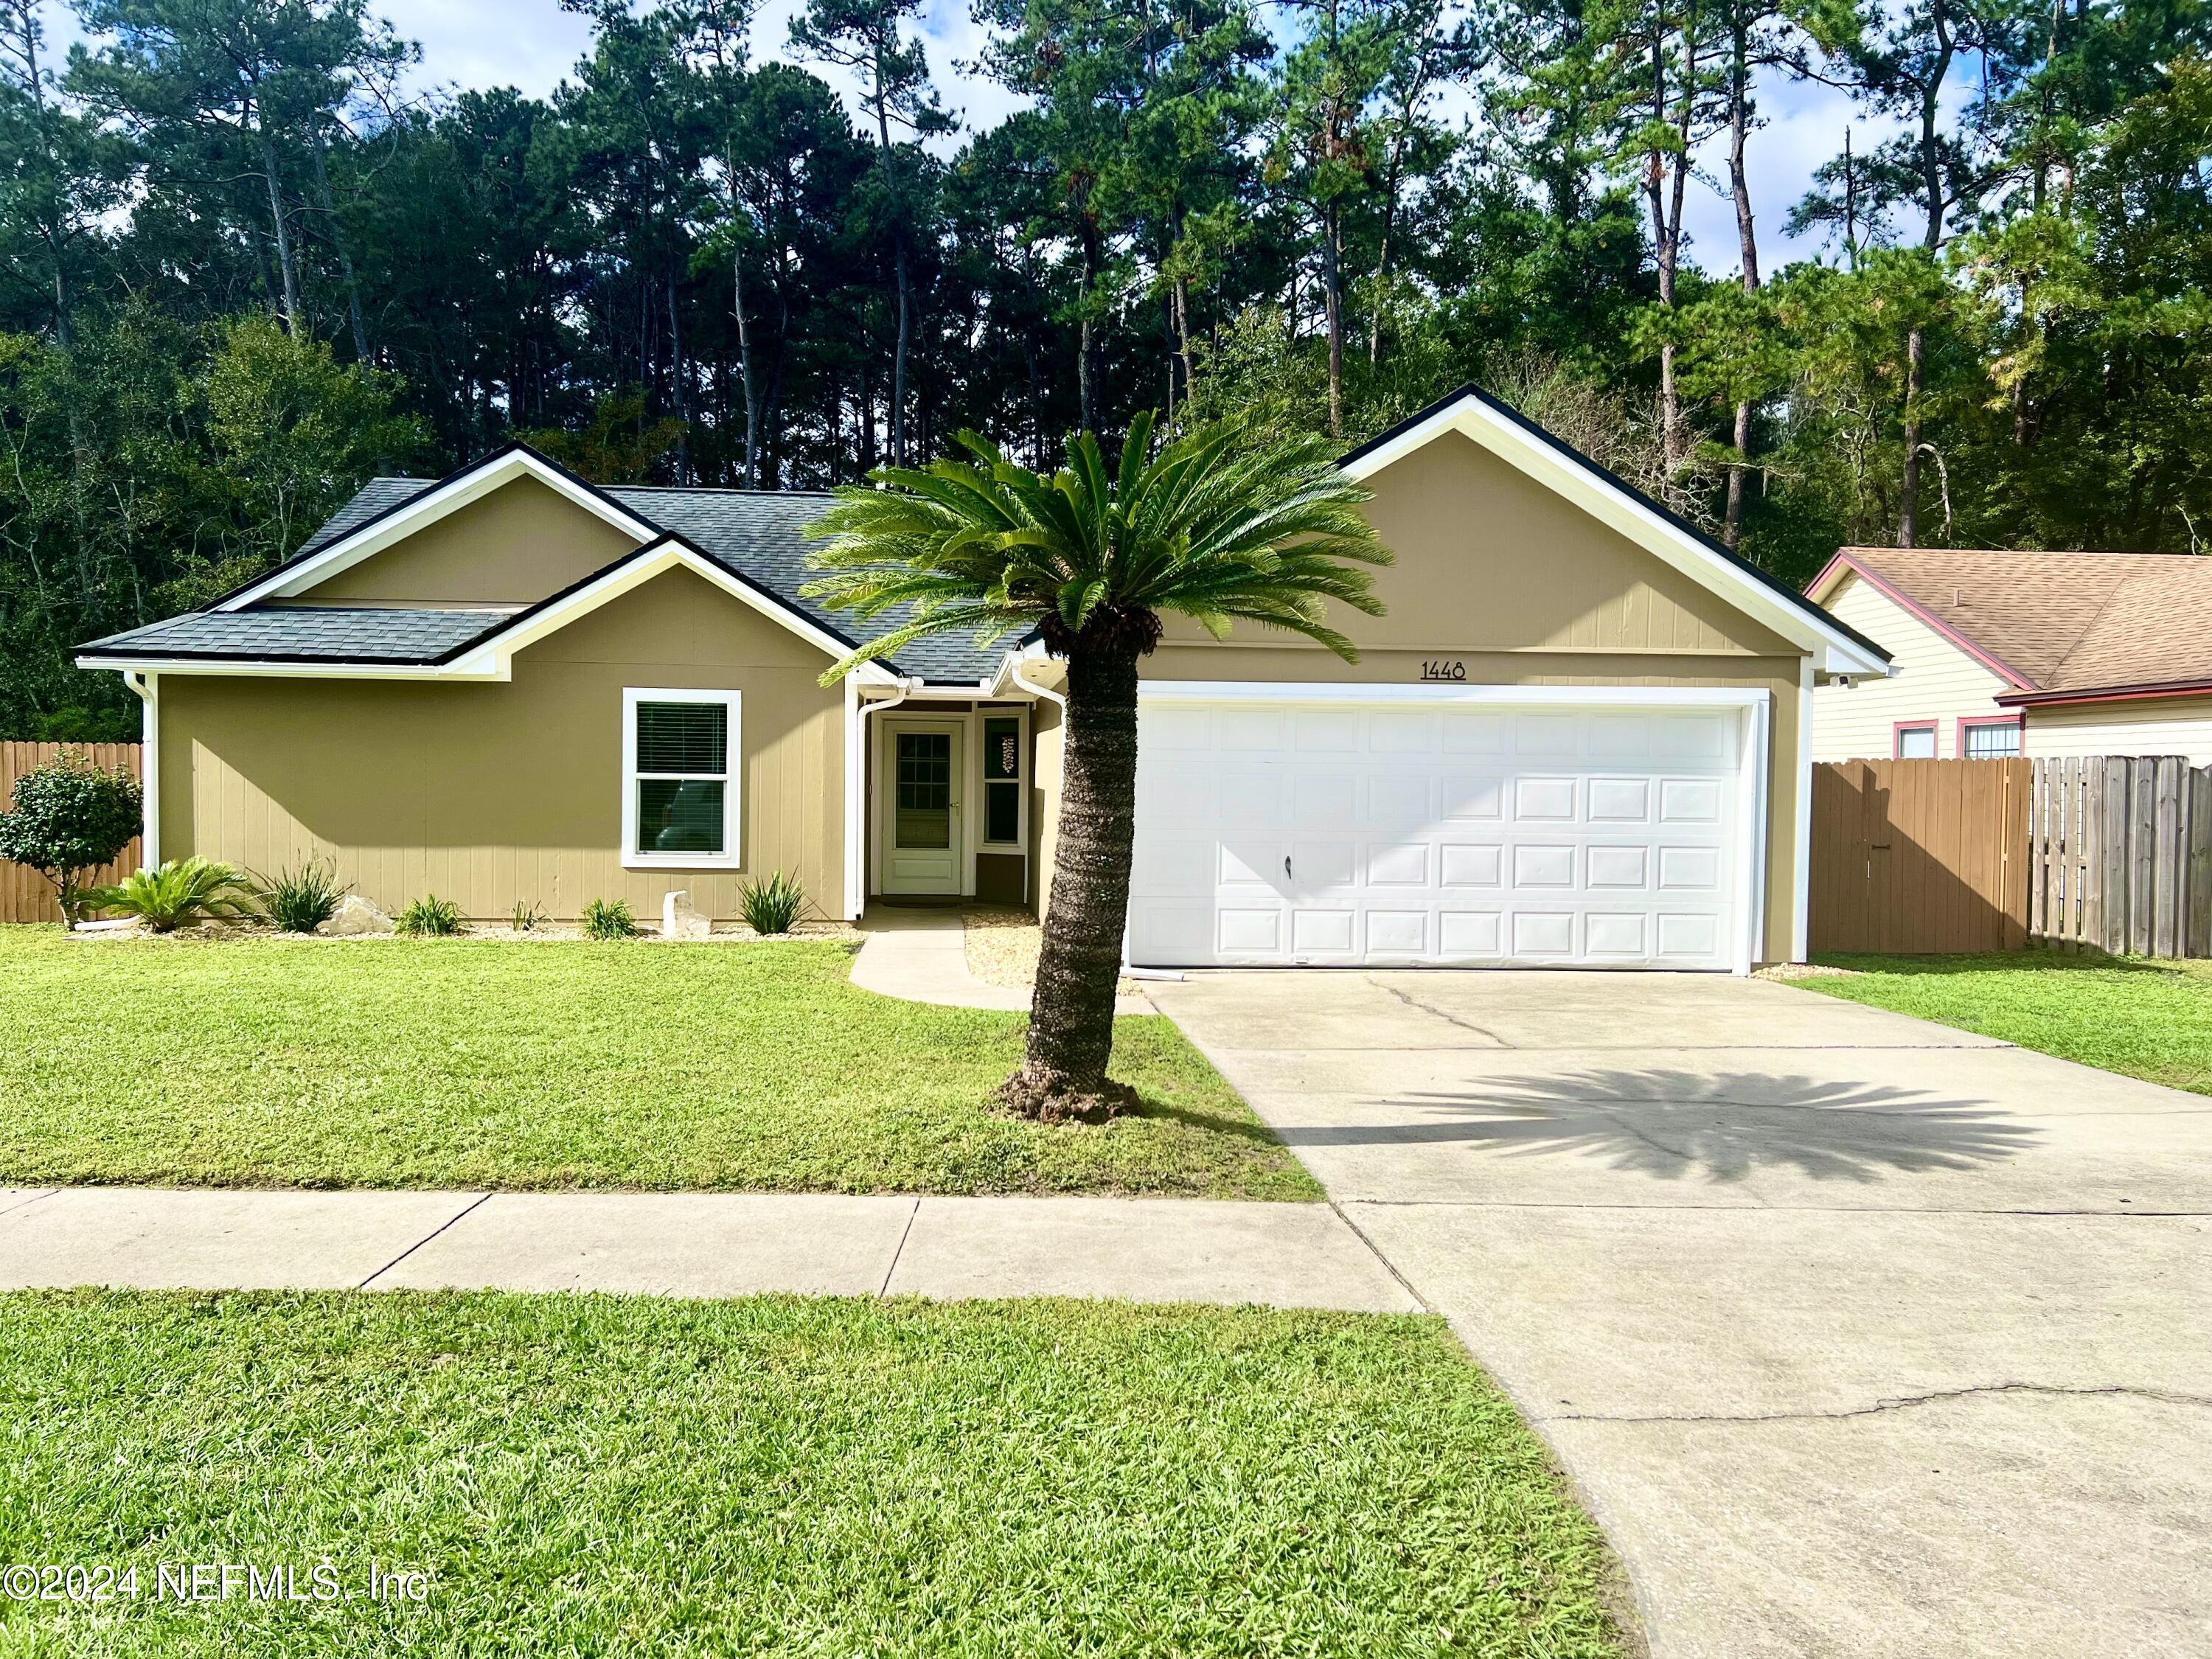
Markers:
1577,737
2050,654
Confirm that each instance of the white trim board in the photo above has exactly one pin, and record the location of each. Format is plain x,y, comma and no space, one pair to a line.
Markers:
450,495
1576,481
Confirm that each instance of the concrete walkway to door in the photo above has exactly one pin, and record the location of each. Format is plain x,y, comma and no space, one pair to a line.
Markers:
919,953
1861,1336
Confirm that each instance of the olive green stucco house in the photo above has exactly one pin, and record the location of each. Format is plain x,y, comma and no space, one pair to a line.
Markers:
1578,737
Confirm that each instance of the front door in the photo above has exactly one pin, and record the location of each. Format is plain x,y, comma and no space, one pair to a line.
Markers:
923,841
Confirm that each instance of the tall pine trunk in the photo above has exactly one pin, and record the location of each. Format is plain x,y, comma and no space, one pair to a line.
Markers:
1748,245
1070,1035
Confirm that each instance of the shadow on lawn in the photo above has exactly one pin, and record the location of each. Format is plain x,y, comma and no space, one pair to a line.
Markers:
1673,1124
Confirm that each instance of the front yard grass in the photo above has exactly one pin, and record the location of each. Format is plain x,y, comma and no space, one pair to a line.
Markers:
605,1476
472,1063
2147,1019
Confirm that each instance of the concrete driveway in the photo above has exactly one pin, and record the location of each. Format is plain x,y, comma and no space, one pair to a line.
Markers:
1859,1335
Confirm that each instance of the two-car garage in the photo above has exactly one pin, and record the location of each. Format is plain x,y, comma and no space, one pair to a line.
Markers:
1328,825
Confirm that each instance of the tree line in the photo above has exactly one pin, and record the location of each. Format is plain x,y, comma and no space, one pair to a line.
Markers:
246,268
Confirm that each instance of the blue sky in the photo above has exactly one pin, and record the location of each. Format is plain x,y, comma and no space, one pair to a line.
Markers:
533,44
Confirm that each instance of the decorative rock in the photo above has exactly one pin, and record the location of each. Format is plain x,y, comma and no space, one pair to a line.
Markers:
111,924
681,919
355,915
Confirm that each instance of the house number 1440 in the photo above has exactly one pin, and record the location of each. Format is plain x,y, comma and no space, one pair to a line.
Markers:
1443,671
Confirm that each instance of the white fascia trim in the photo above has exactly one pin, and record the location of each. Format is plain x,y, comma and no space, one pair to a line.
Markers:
1800,900
428,508
1527,696
1835,651
247,665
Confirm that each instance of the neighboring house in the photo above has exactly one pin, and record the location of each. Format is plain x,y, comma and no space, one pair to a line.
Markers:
2021,653
1575,739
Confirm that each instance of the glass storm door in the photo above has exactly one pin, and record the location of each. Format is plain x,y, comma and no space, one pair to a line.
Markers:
922,840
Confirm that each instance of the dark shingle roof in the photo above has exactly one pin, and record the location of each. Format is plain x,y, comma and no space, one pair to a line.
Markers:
287,634
757,534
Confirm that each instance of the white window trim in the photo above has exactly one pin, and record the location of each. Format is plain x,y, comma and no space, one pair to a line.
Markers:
1024,783
731,857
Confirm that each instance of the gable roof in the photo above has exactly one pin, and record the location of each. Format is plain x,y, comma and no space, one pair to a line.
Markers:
756,537
1515,438
2056,626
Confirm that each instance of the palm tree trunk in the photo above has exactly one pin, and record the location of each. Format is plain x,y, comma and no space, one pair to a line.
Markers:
1063,1072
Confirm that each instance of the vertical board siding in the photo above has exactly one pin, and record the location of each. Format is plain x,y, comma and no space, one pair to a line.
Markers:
1920,857
25,895
2120,851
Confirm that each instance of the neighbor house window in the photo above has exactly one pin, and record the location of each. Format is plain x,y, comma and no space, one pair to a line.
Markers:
1995,738
680,778
1002,780
1916,742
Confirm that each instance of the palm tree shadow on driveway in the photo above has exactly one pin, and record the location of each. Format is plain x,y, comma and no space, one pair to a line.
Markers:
1675,1125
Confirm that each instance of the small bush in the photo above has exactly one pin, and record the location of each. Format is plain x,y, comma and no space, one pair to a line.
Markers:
529,916
181,891
430,917
610,919
71,818
299,900
771,906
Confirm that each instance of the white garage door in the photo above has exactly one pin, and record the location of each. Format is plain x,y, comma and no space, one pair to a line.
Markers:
1460,831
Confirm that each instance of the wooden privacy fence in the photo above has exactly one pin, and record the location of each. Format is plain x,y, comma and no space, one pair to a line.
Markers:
1920,857
2120,855
25,895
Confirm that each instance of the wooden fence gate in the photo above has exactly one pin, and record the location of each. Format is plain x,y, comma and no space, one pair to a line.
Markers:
2120,855
1920,857
25,895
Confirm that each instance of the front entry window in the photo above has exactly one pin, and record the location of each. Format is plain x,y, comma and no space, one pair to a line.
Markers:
923,811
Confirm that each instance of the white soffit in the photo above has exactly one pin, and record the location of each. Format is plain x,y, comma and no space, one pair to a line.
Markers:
1576,481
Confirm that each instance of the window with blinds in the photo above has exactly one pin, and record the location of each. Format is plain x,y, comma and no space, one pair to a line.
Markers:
680,799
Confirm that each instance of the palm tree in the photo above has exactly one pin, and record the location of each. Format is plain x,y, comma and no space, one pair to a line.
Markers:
1212,527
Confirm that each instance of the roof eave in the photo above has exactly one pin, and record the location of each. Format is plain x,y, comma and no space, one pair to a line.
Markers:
2196,685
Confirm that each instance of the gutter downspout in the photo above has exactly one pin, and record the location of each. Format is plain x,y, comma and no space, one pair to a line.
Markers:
148,688
862,821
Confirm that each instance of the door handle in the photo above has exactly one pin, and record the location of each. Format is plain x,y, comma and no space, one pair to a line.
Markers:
1286,868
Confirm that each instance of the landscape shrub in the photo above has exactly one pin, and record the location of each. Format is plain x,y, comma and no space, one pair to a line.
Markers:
299,900
430,917
71,818
610,919
181,891
772,905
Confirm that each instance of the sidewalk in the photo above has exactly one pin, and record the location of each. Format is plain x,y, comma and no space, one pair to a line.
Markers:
701,1244
921,955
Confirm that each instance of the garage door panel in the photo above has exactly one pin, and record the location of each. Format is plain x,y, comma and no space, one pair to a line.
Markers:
1315,931
1403,865
1471,932
1397,933
1543,800
1471,864
1539,866
1488,836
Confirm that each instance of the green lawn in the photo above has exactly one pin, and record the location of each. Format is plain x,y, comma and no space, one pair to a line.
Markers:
483,1063
2147,1019
614,1475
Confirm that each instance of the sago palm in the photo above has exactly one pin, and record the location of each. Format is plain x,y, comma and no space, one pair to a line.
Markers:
180,891
1088,559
